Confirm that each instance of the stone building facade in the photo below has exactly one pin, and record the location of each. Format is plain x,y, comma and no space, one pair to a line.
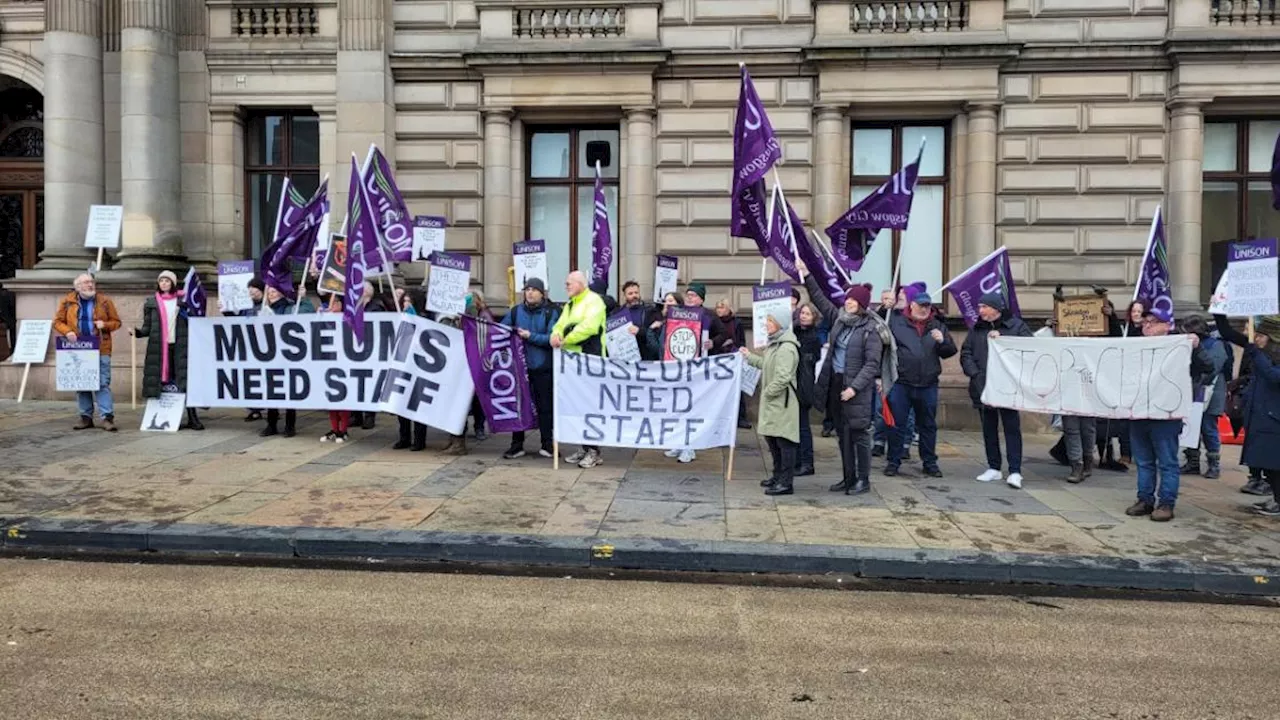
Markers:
1052,127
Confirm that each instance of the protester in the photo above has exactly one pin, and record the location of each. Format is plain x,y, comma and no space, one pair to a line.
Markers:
856,349
601,288
1261,450
806,332
278,304
1155,442
777,418
533,320
922,343
1215,399
339,420
994,320
85,313
412,435
457,444
634,306
477,308
256,288
1238,394
164,369
712,329
889,302
581,329
374,302
795,307
736,339
655,332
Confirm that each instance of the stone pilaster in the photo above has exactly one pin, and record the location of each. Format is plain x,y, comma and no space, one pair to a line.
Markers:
193,98
638,242
1183,214
366,96
831,194
150,136
497,201
74,158
980,183
226,171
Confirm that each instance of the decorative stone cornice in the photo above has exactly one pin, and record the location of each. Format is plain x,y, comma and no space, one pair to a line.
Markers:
83,17
982,108
159,15
640,112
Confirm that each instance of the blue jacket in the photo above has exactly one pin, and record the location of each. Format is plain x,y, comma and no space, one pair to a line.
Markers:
538,321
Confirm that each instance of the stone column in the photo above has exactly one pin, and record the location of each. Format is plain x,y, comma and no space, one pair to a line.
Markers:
830,196
1183,214
638,244
365,97
497,201
226,152
980,183
150,136
74,154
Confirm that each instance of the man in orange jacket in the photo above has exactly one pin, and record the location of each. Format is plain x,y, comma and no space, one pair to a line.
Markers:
83,313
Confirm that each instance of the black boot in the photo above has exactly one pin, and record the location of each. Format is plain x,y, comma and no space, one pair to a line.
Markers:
769,481
840,486
859,488
781,487
1059,452
1077,473
419,438
269,430
1214,470
193,420
1192,465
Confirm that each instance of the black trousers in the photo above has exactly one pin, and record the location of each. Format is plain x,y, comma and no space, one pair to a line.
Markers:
290,418
541,384
784,459
417,429
855,445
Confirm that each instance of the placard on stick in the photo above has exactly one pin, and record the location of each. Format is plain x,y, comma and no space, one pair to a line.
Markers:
1081,316
333,276
666,276
233,285
770,299
618,339
428,236
683,336
77,368
530,261
450,282
1253,282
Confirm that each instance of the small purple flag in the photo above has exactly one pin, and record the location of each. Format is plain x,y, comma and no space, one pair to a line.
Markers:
297,242
991,274
361,233
1153,279
1275,175
194,298
601,238
888,207
288,211
394,223
359,213
789,230
495,356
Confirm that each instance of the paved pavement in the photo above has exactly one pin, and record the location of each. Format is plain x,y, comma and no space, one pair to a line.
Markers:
85,640
229,475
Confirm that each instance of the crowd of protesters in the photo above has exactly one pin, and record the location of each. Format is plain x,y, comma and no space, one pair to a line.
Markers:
872,371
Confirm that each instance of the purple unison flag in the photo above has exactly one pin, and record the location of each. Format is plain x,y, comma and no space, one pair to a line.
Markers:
1275,175
1153,279
991,274
888,207
395,224
194,298
495,355
288,211
297,243
359,213
789,230
601,238
755,151
361,233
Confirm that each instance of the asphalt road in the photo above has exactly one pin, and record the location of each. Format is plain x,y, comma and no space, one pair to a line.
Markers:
87,640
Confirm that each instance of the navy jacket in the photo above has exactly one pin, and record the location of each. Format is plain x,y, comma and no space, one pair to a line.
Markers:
919,355
1261,402
973,355
538,321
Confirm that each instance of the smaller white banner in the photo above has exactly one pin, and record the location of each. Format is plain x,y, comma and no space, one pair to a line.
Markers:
774,300
449,284
77,366
619,339
33,342
531,262
103,230
233,286
666,275
648,405
750,379
428,237
164,413
1253,284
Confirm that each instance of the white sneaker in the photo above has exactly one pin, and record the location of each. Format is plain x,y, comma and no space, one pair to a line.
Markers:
672,453
989,476
688,456
591,460
329,436
1015,481
576,458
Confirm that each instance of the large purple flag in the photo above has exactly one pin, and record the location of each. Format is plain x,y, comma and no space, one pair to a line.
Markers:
1153,279
361,233
296,242
288,211
1275,175
194,298
790,231
495,355
359,213
755,151
601,238
888,208
991,274
395,224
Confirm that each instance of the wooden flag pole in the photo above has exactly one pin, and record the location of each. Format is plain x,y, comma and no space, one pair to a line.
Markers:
728,473
97,267
1250,328
302,292
22,388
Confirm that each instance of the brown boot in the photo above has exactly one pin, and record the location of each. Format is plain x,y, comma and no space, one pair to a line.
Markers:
1077,473
85,423
457,446
1139,509
109,423
1164,513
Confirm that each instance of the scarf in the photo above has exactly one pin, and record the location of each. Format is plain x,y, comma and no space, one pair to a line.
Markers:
165,339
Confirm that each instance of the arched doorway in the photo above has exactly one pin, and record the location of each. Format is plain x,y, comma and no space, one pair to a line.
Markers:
21,176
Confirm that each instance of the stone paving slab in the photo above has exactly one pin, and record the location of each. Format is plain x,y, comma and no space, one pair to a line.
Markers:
229,477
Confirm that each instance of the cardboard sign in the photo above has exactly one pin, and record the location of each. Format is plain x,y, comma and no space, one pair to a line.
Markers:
666,275
233,285
77,367
750,378
33,342
428,236
683,334
531,262
618,339
103,230
450,283
164,413
333,276
1218,303
1081,316
1253,278
769,299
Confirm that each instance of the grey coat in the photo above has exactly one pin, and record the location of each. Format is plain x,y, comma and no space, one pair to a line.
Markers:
1216,350
863,358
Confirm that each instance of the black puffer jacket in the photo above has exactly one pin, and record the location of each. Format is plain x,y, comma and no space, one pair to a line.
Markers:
919,355
810,351
973,354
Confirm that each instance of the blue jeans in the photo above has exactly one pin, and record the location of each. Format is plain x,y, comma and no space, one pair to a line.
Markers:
1209,434
992,418
804,457
106,406
881,436
904,399
1155,451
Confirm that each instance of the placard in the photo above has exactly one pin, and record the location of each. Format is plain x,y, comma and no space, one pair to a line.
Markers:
449,283
233,285
1190,437
333,277
164,413
682,337
33,342
1254,278
769,299
1081,315
750,378
77,368
428,236
103,230
666,276
1218,302
621,344
530,262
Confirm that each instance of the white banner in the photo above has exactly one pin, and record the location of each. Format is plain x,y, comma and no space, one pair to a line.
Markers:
648,405
410,366
1122,378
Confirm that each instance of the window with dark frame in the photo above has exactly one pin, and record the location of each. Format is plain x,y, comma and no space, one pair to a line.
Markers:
559,202
1236,193
279,144
878,151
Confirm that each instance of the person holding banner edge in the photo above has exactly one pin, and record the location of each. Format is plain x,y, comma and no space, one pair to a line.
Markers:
412,435
533,321
778,421
279,304
580,329
164,320
994,320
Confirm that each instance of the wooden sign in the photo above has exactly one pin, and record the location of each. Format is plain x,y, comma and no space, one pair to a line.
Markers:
1081,316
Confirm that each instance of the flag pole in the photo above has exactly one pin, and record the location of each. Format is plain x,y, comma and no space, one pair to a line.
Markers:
830,257
795,251
1151,240
897,266
965,274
